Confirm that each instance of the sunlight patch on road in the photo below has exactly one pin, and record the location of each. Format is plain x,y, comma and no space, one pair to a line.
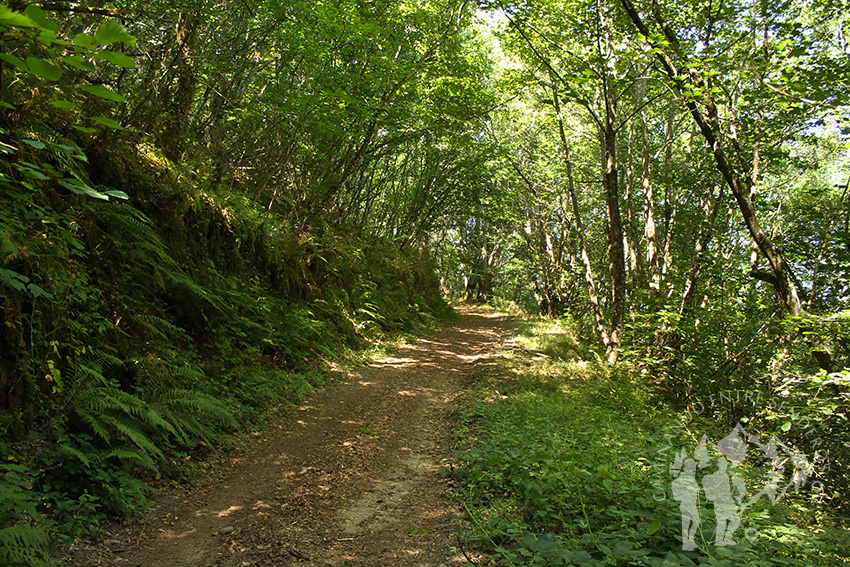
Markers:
171,535
474,357
229,511
393,360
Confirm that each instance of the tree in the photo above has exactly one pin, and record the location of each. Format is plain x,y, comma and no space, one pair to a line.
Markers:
593,77
698,83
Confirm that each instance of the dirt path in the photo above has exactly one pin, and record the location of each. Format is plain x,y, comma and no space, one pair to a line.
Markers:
351,478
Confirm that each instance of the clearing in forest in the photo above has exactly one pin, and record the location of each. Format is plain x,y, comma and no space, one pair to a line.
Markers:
349,478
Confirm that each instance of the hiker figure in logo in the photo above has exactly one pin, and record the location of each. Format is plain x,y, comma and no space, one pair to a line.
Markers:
686,490
719,488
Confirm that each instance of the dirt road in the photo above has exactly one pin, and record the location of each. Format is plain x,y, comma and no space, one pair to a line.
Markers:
350,478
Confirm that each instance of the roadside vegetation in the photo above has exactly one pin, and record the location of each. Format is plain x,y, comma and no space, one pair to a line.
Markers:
566,461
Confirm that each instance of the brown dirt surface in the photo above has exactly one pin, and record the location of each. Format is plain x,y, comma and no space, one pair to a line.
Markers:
351,478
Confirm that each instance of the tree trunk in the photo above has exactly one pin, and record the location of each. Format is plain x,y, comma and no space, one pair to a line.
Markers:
616,253
176,108
592,294
670,208
706,233
632,243
649,230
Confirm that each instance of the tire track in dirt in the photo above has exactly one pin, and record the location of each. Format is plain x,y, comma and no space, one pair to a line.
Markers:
350,478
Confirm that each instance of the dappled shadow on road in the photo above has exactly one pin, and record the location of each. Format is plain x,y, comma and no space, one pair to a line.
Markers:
351,476
467,342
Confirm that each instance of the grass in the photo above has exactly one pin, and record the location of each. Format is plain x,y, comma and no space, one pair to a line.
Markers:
567,462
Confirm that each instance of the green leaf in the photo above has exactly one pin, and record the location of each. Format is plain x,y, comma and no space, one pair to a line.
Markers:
117,194
37,15
12,18
85,129
35,144
48,38
64,104
85,42
786,426
653,527
13,279
80,188
107,122
38,291
112,32
71,239
31,171
5,104
117,58
78,62
622,548
102,92
686,561
43,68
15,61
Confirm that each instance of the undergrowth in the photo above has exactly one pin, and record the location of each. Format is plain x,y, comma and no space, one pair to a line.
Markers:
568,462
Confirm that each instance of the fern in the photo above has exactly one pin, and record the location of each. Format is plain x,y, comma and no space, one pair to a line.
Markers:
159,412
157,376
199,404
109,420
102,356
24,545
130,229
21,542
198,292
192,413
157,326
184,373
127,455
113,413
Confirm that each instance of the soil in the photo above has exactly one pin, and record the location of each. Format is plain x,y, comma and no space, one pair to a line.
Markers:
351,478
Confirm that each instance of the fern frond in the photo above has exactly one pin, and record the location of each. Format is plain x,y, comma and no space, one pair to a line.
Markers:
125,454
192,413
130,228
130,429
199,292
111,413
91,374
104,358
24,545
161,376
187,374
202,405
157,326
97,425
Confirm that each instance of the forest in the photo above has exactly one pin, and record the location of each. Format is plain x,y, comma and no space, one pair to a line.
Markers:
206,205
